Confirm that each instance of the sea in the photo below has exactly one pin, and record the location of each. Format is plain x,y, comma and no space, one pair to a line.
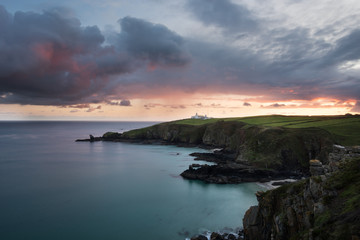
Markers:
52,187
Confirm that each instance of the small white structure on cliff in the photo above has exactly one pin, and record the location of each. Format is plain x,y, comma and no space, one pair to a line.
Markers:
202,117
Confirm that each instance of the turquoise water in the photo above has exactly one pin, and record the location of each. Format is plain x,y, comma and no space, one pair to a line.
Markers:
54,188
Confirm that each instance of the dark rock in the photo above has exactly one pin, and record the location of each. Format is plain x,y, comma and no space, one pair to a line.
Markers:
216,236
252,223
217,157
194,165
314,207
233,173
91,139
111,136
200,237
231,237
281,149
316,168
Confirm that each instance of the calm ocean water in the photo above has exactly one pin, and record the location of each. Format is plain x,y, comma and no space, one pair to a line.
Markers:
54,188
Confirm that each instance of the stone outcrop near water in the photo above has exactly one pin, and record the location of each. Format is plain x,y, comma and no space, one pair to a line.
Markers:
325,206
275,148
248,153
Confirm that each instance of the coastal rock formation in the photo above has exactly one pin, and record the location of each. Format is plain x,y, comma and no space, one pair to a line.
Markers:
233,173
316,168
320,207
218,236
248,152
277,148
340,154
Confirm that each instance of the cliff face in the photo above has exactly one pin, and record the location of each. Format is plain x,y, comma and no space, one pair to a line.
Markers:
264,147
321,207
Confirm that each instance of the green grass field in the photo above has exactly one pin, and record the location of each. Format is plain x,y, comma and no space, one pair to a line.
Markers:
345,129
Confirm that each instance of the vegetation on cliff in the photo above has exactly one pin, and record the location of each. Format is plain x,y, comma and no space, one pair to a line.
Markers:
272,142
342,218
316,208
344,128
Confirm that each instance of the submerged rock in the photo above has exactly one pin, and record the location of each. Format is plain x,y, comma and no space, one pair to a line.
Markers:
200,237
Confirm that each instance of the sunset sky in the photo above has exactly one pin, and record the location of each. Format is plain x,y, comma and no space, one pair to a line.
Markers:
169,59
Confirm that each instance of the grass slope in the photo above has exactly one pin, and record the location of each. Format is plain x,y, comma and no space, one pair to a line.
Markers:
345,129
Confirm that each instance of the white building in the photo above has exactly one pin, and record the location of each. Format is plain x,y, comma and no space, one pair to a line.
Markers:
202,117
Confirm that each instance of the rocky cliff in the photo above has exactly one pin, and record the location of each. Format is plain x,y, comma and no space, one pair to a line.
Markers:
263,147
326,206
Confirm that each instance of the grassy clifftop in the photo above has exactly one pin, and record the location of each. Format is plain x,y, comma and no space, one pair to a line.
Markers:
344,128
277,142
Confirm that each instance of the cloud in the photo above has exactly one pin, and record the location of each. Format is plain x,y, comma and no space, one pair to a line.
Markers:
154,43
356,108
347,48
275,105
225,14
178,106
91,109
78,106
246,104
123,102
154,105
49,58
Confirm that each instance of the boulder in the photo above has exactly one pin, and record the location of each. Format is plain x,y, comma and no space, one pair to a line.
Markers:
316,168
200,237
216,236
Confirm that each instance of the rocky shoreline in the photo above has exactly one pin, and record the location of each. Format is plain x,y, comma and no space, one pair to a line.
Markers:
221,236
281,212
225,171
233,173
313,208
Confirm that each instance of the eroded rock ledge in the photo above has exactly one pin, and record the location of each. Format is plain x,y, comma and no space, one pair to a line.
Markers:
325,206
270,151
234,173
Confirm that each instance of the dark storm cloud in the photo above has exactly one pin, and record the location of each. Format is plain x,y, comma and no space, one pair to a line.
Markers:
286,65
152,42
224,14
275,105
347,49
51,59
124,102
246,104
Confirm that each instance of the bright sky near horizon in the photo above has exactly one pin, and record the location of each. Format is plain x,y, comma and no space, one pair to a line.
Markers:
168,59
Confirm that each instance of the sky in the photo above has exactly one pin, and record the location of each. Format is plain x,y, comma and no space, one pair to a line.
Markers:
160,60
